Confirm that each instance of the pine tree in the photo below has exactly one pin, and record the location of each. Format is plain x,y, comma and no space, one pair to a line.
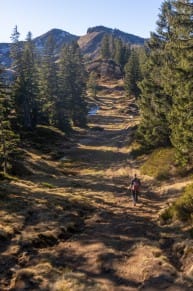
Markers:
132,75
121,53
48,84
16,51
8,138
92,83
70,105
31,86
105,48
179,70
80,109
25,86
154,102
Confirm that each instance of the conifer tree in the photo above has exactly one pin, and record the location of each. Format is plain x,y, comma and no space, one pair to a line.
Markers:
79,107
25,85
8,138
154,102
105,48
132,75
48,84
121,53
179,71
31,84
63,102
16,51
70,105
92,83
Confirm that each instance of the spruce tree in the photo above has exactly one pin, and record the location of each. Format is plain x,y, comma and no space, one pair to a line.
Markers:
132,75
48,84
70,105
25,88
92,84
8,138
31,85
105,48
80,109
16,51
179,71
154,102
63,102
121,53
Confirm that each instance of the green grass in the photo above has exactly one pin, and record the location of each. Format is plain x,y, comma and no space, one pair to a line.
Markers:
182,208
159,164
47,185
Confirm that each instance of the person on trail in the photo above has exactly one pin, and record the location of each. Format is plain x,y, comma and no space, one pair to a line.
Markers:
135,187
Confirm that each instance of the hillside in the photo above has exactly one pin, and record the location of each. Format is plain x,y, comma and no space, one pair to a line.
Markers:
89,43
69,222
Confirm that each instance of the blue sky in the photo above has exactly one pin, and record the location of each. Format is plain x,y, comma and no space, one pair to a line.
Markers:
75,16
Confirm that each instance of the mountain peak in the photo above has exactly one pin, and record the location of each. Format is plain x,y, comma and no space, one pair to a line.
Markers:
60,37
99,28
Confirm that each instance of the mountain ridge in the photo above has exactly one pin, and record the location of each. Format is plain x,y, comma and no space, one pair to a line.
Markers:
89,43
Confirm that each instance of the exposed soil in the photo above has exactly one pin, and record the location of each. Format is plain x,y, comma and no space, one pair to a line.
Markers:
84,233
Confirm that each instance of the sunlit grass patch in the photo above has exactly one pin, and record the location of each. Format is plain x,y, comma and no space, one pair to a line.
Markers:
91,171
159,164
118,172
100,148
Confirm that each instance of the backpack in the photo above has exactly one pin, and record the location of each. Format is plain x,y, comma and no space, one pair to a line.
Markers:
135,185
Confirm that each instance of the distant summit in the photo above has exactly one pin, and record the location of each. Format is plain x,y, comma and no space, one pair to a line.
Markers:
89,43
126,37
59,36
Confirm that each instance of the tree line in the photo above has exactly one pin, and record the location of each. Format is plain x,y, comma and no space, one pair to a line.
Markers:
43,90
165,96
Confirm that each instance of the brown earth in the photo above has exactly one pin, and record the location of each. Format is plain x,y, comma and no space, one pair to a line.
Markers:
72,224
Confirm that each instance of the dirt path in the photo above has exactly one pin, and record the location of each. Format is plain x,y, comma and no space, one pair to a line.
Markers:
122,247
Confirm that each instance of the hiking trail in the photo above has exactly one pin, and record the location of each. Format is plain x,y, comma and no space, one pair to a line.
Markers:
119,246
122,247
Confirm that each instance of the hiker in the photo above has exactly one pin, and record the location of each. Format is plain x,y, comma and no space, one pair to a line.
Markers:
134,187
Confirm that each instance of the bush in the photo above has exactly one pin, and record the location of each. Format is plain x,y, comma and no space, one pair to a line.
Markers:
184,205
